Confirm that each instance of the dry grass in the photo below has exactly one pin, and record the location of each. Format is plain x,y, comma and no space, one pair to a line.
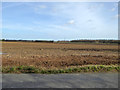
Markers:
54,55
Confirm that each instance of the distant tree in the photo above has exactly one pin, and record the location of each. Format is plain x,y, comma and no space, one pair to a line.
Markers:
3,39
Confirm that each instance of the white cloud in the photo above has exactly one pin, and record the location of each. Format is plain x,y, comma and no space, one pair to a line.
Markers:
38,8
71,22
42,6
115,6
117,16
113,9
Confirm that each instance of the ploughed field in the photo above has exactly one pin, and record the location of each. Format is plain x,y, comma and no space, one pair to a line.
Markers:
56,55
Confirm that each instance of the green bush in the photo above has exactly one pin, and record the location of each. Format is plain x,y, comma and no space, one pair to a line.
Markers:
12,69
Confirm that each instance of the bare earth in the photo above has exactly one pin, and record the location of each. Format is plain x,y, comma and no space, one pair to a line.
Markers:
57,55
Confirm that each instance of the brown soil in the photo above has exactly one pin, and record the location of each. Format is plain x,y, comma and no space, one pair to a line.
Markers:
57,55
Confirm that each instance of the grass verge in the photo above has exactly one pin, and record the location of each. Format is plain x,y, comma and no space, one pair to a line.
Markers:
31,69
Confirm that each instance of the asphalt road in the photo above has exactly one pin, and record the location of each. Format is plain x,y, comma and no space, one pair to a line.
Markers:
81,80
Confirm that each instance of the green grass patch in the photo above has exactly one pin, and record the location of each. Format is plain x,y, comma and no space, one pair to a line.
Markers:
31,69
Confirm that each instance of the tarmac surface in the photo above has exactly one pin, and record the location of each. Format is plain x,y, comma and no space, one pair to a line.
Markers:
80,80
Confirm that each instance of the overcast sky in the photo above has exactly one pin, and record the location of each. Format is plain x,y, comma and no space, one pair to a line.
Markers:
59,21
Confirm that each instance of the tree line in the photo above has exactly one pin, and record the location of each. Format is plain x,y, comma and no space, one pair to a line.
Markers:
52,41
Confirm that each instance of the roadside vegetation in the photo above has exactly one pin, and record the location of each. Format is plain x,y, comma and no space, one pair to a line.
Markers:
91,68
